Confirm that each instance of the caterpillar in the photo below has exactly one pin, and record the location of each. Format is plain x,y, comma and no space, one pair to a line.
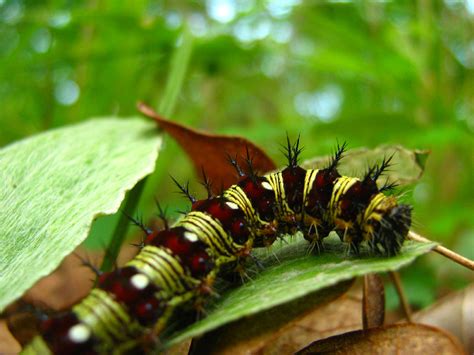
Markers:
178,266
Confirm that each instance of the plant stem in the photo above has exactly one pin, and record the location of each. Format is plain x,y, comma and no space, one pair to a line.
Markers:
395,276
179,65
121,228
461,260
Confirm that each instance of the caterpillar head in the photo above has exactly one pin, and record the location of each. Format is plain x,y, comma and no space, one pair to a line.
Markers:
393,229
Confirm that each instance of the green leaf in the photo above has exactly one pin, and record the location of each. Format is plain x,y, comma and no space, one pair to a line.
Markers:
406,165
56,183
291,273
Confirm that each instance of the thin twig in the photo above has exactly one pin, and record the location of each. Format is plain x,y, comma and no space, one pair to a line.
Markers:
179,65
121,228
395,276
461,260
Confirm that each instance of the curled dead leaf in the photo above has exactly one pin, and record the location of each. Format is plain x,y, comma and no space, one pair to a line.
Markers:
209,152
455,313
407,338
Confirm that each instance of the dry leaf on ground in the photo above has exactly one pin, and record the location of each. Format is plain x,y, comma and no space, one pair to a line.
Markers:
289,328
455,313
410,339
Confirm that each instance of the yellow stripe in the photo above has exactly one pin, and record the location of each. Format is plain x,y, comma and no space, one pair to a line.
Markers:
237,195
168,262
309,179
149,268
278,185
378,206
158,271
151,262
204,235
275,181
341,186
335,197
209,231
376,200
106,318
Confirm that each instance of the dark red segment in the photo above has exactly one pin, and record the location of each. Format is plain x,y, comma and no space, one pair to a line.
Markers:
199,262
293,181
262,200
172,239
147,311
320,193
119,284
192,254
239,231
55,331
233,220
356,199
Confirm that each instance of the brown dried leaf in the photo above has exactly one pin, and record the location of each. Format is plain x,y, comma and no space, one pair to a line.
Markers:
408,338
23,326
209,151
290,327
373,309
8,344
454,313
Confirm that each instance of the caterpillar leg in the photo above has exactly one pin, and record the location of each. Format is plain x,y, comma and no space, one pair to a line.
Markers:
315,234
316,246
257,262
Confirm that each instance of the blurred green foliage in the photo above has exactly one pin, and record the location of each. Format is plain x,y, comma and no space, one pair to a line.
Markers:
366,72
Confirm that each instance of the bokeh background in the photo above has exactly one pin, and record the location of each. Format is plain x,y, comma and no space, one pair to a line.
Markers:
369,72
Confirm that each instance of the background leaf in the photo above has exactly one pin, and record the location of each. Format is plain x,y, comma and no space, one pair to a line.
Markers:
406,166
54,185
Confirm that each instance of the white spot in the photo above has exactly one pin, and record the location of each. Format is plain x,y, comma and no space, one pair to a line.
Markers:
66,92
323,105
198,25
140,281
232,205
60,19
273,66
173,20
191,237
221,10
266,185
252,28
281,8
79,333
41,40
469,6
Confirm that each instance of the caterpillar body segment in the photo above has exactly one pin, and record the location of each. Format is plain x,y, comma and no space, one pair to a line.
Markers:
321,200
164,270
255,197
178,266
